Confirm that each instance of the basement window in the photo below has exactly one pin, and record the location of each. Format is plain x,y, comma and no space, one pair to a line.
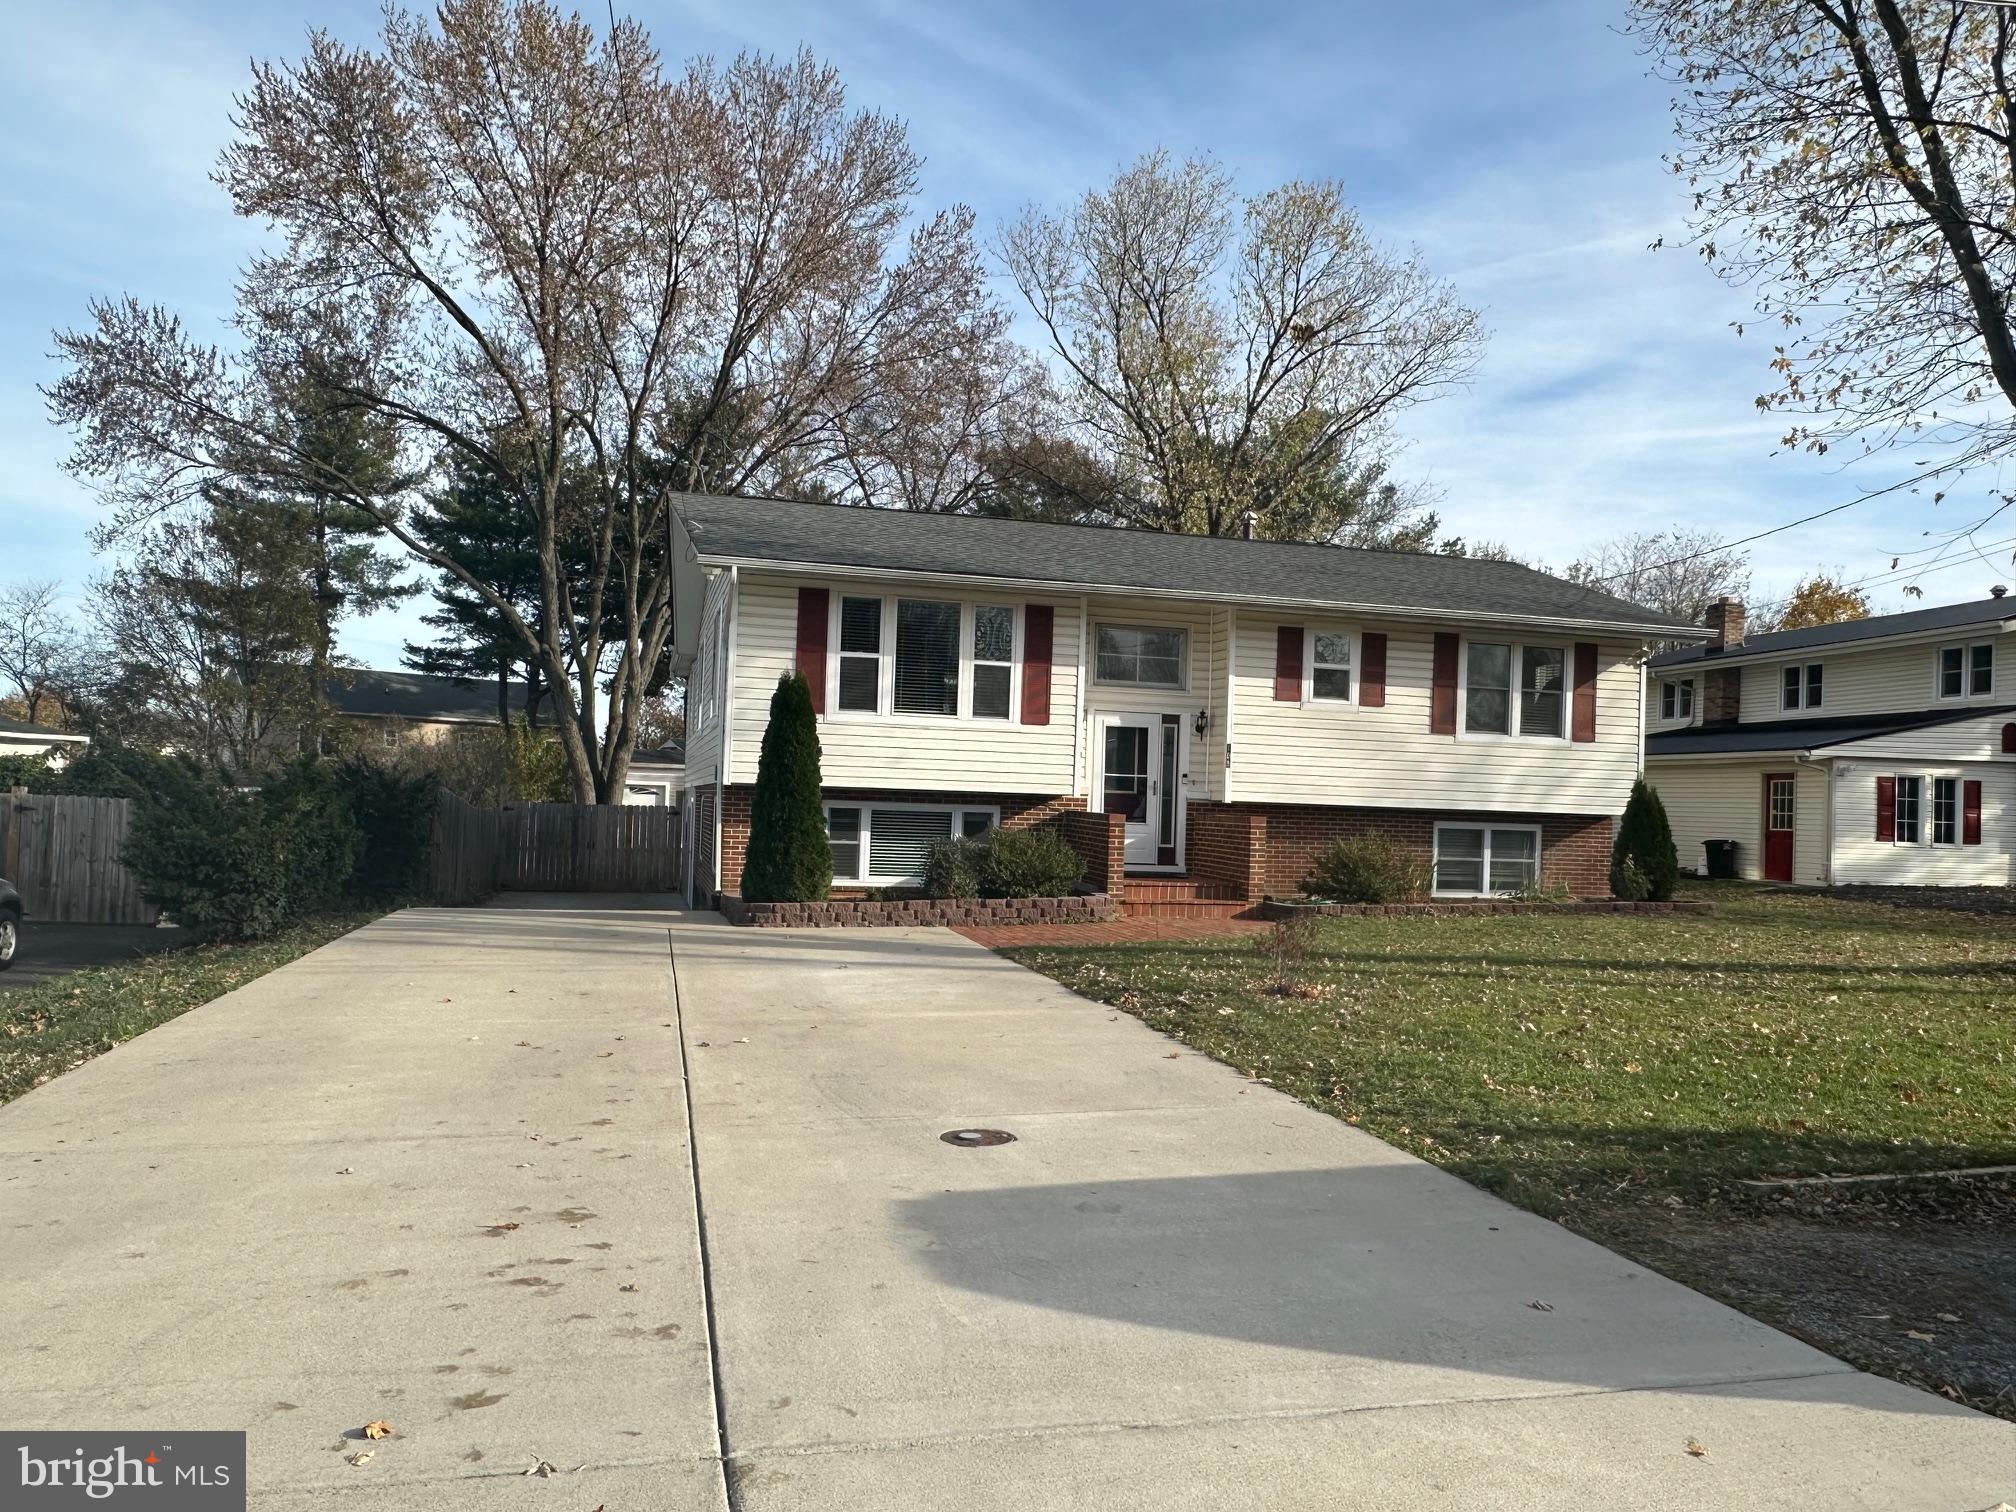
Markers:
1479,861
886,845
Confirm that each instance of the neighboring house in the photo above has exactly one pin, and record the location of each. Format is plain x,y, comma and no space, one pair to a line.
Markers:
19,738
657,777
1878,750
1240,703
392,709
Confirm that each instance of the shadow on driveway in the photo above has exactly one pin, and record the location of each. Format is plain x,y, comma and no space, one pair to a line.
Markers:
54,950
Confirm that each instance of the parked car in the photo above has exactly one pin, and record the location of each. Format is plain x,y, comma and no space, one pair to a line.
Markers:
10,923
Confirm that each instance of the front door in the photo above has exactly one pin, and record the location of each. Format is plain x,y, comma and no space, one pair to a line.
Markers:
1779,809
1140,771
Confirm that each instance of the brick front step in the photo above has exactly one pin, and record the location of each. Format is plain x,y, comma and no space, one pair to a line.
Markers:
1188,908
1177,890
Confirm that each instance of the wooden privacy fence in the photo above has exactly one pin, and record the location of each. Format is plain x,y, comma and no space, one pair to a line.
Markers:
63,854
553,847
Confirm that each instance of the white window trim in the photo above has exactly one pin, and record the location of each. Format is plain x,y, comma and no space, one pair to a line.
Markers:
885,681
1487,826
1182,686
867,806
1677,686
1350,633
1931,803
1514,714
1966,650
1806,700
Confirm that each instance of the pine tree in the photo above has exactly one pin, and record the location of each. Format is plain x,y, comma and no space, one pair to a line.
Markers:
1645,847
789,860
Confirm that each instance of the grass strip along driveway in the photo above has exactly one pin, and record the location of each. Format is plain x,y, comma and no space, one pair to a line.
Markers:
58,1025
1620,1073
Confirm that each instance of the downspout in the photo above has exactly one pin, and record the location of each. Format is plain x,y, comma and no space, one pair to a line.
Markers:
1231,686
1078,785
723,761
1826,768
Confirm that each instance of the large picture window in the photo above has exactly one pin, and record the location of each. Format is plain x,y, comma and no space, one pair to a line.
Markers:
927,657
886,845
934,658
1141,655
1478,860
1534,705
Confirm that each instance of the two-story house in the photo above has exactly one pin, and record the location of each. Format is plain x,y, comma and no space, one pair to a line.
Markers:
1879,750
1239,703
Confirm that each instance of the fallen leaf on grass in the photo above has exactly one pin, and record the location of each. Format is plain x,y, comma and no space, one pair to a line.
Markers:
1695,1448
377,1428
1948,1317
1923,1338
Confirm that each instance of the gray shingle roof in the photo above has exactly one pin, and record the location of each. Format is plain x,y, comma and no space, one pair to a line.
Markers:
416,695
1801,734
1912,622
1090,556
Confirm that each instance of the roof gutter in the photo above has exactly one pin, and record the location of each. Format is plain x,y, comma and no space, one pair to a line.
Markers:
1331,606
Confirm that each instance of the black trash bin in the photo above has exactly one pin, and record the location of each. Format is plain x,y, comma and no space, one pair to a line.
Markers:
1721,859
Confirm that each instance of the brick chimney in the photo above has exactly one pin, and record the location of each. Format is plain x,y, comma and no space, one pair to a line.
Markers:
1725,618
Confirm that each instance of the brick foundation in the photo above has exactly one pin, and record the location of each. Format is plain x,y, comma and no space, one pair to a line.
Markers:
1269,848
1018,811
1081,908
1101,840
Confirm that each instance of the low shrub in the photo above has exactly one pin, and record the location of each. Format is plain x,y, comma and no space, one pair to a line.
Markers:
948,870
237,864
1629,882
1023,863
1369,869
1288,947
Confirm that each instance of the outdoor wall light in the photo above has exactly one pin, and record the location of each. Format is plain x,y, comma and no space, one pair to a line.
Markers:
1202,722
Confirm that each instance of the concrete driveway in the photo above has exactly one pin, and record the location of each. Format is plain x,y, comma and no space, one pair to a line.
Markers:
288,1212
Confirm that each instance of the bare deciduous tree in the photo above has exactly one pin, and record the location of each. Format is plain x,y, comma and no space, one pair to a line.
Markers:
41,652
1222,357
527,249
1678,572
1854,161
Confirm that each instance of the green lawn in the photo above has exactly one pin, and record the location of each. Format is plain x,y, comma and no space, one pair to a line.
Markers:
1563,1059
57,1025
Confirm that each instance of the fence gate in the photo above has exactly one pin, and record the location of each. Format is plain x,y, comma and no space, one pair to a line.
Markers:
63,854
569,847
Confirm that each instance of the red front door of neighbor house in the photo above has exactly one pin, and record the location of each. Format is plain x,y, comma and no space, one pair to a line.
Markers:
1779,807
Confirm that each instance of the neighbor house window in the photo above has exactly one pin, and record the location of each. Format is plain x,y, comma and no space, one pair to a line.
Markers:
886,845
1967,671
1330,666
1910,790
1494,705
927,657
860,675
1802,687
1945,810
1676,700
993,660
1146,657
1476,860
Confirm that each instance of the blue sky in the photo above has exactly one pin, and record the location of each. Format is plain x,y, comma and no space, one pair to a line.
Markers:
1517,145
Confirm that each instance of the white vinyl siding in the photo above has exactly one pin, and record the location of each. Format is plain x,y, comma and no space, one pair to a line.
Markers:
1284,752
924,752
1860,857
1716,800
1879,680
703,735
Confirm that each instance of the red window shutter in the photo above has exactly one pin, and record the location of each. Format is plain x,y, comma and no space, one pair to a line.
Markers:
1288,664
1970,812
2009,740
1039,626
1583,725
812,643
1372,681
1886,808
1442,693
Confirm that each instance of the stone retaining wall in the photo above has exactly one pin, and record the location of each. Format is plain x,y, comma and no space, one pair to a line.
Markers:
1082,908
